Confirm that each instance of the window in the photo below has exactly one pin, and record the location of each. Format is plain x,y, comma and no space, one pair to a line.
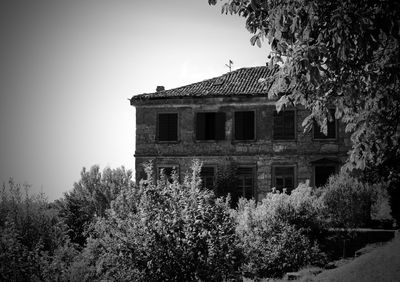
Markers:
284,125
245,182
322,173
207,175
331,130
244,125
167,127
283,177
168,171
210,126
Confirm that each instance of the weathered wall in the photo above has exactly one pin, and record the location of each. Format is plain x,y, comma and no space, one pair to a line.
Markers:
263,153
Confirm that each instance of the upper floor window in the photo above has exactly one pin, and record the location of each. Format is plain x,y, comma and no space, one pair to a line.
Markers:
167,127
244,125
331,129
284,125
210,126
283,177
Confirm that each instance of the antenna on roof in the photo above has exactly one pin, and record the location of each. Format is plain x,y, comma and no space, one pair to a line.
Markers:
230,65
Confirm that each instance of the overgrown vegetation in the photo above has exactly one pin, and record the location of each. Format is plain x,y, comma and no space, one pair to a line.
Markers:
164,230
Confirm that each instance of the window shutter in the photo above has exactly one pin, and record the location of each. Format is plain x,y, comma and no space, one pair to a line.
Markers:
289,124
249,125
278,126
239,126
172,127
219,126
200,126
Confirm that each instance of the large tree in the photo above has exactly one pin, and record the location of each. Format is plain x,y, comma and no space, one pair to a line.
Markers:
340,54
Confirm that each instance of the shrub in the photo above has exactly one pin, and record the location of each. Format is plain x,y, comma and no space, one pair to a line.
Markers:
174,232
276,235
350,203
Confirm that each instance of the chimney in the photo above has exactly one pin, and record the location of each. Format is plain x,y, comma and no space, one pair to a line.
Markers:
160,88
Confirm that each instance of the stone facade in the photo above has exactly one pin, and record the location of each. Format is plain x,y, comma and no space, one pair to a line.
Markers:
263,154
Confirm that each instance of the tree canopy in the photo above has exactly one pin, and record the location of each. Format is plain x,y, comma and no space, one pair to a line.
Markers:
338,54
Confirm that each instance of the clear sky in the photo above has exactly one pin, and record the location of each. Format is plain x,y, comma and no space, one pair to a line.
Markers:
67,69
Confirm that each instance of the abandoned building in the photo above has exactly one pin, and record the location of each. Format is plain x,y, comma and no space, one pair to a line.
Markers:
229,122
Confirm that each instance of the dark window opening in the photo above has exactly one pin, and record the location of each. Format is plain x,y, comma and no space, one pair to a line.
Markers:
207,175
167,127
284,125
167,171
244,125
322,174
245,183
210,126
283,177
331,129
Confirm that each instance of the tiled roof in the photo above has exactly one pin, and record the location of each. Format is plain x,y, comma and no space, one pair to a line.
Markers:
244,81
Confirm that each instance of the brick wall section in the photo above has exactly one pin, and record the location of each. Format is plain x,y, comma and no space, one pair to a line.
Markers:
264,152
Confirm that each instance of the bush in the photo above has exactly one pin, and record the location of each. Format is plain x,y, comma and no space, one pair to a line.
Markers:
31,236
174,231
277,235
349,203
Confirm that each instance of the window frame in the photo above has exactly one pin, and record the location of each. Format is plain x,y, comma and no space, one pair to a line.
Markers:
294,123
273,174
195,127
254,126
157,137
254,177
326,138
327,164
215,167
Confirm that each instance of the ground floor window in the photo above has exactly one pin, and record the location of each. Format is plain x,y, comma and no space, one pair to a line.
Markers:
322,174
167,170
207,175
245,182
283,177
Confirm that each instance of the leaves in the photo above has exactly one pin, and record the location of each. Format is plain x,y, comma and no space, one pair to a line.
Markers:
340,53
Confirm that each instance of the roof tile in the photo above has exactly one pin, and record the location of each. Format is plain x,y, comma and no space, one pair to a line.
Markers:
244,81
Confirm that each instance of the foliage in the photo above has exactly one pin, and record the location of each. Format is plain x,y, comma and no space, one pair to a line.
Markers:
172,231
336,53
91,197
350,203
278,234
31,236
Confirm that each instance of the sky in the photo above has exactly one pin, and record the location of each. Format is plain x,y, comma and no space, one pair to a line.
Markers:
68,68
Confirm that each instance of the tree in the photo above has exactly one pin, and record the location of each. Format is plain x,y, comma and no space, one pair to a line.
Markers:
91,197
340,54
